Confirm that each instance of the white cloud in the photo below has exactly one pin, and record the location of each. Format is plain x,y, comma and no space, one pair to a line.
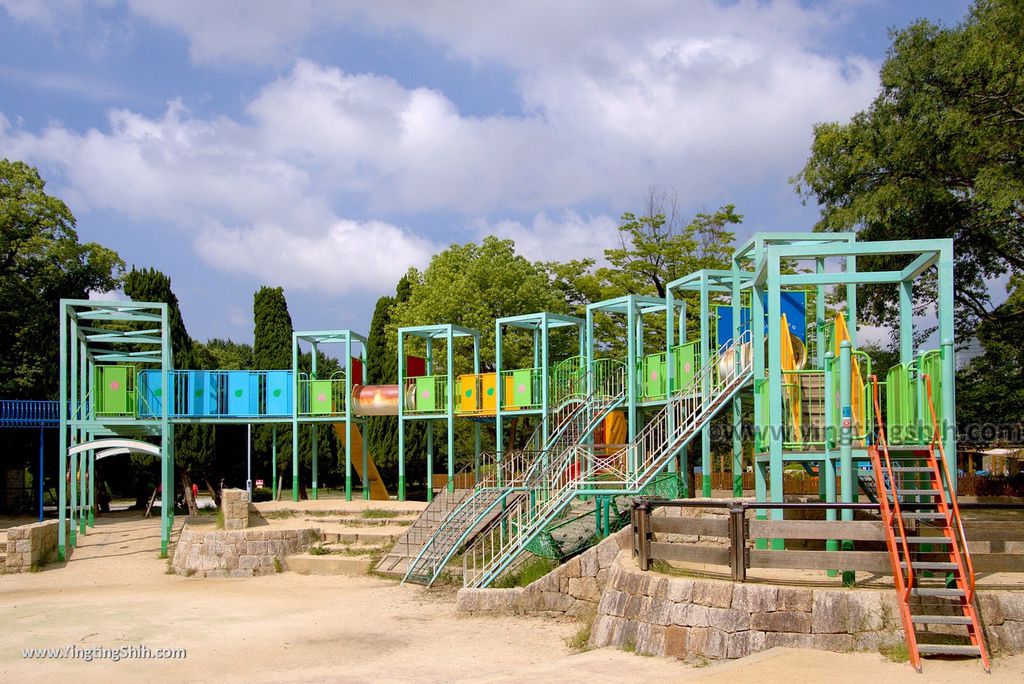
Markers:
568,237
350,255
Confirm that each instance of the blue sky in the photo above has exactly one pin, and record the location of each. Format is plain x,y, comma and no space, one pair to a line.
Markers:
329,146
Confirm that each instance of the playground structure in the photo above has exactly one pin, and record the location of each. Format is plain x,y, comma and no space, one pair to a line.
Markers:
608,425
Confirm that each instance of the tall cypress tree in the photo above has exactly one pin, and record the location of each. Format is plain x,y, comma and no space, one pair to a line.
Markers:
272,350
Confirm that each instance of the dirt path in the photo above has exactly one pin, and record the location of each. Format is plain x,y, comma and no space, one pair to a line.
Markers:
290,627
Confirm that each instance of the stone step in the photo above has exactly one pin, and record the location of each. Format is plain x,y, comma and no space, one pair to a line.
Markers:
948,649
308,564
368,536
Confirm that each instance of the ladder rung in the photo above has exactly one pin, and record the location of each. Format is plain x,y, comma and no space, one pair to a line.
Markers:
930,565
928,540
948,649
911,469
918,492
924,516
940,619
944,593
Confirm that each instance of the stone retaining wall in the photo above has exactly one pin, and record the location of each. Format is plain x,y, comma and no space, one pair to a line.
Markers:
572,589
717,619
32,545
234,503
238,553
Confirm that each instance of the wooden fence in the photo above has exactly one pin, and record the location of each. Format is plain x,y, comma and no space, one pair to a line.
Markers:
989,538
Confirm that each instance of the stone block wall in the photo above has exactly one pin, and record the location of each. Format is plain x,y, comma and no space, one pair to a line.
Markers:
31,545
238,553
572,589
719,619
234,503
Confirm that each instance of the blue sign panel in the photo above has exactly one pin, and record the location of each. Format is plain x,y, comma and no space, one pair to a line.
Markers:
794,305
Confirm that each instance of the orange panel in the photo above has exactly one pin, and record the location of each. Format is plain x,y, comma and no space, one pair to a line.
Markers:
489,392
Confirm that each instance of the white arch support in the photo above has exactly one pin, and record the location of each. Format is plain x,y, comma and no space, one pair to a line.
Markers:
112,446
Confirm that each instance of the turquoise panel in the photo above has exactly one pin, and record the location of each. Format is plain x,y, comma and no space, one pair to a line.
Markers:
279,393
242,393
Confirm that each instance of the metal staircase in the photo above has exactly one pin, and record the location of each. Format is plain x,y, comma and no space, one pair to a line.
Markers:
935,588
586,468
506,482
396,560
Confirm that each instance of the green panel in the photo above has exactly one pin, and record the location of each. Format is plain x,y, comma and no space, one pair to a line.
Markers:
931,365
522,387
425,394
113,391
320,397
686,364
654,375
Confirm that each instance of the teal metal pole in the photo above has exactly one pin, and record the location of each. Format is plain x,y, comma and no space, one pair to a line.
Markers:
848,476
62,438
348,427
705,352
947,339
363,423
451,409
775,447
499,403
313,451
92,489
737,405
75,434
631,384
296,403
430,423
166,433
273,462
401,417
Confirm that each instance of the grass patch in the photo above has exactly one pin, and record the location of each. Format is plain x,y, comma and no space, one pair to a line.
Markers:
319,550
277,565
629,645
580,641
897,653
376,513
527,573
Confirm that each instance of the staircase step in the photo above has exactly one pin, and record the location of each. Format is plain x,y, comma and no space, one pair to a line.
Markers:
928,540
948,649
940,619
944,593
911,469
917,492
931,565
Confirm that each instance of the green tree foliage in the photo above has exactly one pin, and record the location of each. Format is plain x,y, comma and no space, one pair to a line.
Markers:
272,350
224,355
937,154
41,262
194,449
656,248
473,285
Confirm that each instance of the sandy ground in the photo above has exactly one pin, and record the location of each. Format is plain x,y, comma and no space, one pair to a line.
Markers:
115,592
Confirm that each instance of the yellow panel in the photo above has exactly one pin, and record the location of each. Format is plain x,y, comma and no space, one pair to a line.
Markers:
489,392
469,393
509,401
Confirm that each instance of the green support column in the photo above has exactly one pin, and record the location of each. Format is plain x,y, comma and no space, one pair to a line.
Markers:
762,432
75,435
451,409
62,439
273,463
313,455
775,451
83,472
631,384
848,476
946,339
430,423
92,489
295,418
166,436
737,405
499,404
705,355
401,417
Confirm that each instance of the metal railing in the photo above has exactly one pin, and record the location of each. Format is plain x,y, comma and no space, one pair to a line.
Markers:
557,483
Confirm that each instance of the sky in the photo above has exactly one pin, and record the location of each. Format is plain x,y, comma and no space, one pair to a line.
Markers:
327,146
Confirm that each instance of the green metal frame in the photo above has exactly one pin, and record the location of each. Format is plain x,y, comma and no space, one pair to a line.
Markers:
429,334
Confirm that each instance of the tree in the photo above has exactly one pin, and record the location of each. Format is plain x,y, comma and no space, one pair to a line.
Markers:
194,450
41,262
473,285
937,154
272,350
656,248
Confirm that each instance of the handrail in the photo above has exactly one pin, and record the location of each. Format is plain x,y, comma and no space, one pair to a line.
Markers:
937,442
883,498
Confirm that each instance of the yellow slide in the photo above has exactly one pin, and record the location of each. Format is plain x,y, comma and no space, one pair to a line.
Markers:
842,334
378,492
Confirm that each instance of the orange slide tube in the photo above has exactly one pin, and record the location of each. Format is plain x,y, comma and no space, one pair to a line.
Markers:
375,400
